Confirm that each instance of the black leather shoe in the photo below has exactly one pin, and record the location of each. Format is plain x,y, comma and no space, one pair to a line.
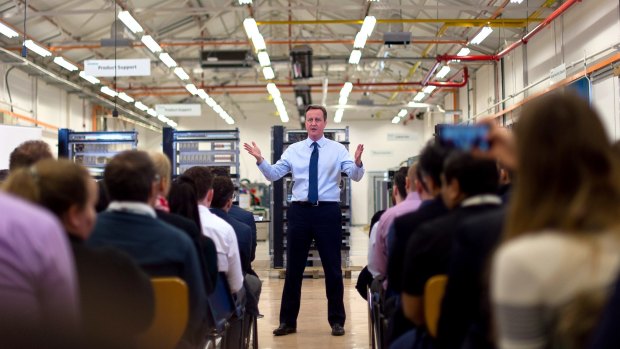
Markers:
337,330
283,330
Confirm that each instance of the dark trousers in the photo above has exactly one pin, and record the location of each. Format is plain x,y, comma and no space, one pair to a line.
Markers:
322,223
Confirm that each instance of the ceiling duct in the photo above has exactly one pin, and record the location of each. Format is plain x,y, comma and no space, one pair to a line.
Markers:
226,59
123,37
396,35
301,62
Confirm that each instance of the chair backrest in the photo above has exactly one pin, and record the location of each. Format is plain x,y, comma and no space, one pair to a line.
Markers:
171,314
433,295
221,304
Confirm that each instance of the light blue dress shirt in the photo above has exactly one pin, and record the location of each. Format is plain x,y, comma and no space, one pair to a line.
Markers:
334,158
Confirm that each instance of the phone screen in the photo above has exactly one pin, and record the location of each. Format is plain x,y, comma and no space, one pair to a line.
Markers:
464,137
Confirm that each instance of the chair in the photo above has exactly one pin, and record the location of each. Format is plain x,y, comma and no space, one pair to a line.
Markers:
171,315
433,294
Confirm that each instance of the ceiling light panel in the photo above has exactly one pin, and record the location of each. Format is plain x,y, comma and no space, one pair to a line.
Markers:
167,60
130,22
463,52
108,91
65,64
429,89
127,98
181,73
41,51
356,55
482,34
263,59
443,72
151,44
268,73
420,96
8,31
93,80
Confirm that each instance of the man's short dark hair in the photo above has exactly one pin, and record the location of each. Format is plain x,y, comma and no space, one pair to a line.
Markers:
475,175
223,189
432,159
28,153
129,176
400,181
220,171
203,180
319,107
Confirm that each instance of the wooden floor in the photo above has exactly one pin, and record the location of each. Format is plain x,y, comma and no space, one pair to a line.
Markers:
313,330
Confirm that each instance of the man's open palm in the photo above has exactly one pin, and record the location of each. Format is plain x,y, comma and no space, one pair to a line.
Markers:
358,155
253,150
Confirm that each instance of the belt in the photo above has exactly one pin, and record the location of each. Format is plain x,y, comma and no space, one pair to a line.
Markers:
311,204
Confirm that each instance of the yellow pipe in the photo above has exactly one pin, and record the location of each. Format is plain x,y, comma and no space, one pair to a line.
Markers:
473,22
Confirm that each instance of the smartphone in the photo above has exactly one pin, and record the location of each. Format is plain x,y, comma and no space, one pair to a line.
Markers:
463,137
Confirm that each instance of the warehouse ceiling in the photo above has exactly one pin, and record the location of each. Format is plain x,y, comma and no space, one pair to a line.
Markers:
386,78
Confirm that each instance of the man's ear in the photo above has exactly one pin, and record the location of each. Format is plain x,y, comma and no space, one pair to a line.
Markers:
408,184
209,196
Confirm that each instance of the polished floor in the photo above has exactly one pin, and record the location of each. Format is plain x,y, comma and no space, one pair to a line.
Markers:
313,330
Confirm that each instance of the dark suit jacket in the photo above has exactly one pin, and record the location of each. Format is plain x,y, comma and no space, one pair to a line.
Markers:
204,246
116,296
245,217
404,226
465,313
244,239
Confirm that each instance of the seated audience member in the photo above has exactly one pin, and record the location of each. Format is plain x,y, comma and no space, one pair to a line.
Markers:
3,174
204,245
28,153
39,299
222,234
465,320
236,212
561,238
469,187
431,165
364,279
116,297
406,200
130,224
606,335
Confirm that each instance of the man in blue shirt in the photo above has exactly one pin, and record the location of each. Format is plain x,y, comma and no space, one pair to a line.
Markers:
316,165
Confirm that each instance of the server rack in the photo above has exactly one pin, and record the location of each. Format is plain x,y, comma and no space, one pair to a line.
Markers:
94,150
211,148
282,192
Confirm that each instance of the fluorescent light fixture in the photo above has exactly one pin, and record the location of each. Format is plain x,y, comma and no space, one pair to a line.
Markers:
516,1
346,89
278,102
37,49
141,106
484,32
218,109
338,115
463,52
443,72
202,94
355,57
150,43
268,73
65,64
167,60
172,123
108,91
127,98
130,22
263,59
8,32
191,88
259,42
230,121
181,73
429,89
420,96
360,40
251,29
273,90
368,25
245,2
417,105
93,80
162,118
211,102
151,112
396,120
342,100
402,113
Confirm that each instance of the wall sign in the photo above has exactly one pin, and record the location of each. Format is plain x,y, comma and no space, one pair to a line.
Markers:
124,67
178,109
395,137
557,74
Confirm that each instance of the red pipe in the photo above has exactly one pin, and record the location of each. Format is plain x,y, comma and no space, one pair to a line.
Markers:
262,86
452,83
524,40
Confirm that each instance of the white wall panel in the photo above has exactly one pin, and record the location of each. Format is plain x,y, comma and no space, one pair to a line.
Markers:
605,99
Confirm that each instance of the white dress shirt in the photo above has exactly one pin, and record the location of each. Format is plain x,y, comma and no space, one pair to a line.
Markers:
225,241
334,158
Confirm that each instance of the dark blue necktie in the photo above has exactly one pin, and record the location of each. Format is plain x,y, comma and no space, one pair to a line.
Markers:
313,187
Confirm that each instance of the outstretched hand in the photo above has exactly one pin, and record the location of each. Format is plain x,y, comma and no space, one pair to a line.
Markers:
358,155
254,150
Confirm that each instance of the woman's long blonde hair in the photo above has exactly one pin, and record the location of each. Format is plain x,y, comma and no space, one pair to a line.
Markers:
568,177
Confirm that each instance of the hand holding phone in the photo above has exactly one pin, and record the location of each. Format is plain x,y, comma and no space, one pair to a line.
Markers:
464,137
